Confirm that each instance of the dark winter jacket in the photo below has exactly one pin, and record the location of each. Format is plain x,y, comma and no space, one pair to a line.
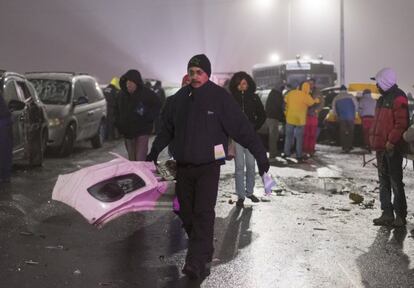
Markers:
194,121
111,94
248,101
135,113
390,120
4,110
275,106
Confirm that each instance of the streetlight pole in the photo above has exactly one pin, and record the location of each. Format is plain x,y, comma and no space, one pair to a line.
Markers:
342,47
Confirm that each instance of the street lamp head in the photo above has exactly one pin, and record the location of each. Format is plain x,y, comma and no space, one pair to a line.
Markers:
274,58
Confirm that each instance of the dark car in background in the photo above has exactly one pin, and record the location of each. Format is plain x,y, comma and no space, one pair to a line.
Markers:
30,123
76,108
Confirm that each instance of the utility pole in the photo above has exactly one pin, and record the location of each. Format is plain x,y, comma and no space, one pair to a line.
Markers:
342,47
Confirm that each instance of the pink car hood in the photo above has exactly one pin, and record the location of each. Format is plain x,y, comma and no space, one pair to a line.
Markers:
72,189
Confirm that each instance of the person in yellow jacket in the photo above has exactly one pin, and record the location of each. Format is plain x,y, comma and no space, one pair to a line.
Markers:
297,103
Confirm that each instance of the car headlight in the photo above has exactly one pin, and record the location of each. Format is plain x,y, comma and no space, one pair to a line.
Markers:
55,122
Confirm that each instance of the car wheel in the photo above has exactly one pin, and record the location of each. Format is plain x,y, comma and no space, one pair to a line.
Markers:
68,141
37,150
98,139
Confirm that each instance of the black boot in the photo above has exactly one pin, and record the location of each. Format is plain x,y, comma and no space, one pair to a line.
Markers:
386,219
399,221
191,271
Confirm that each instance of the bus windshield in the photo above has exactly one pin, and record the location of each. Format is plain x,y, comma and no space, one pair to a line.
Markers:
294,72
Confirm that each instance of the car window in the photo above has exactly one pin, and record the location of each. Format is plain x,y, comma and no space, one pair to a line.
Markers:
169,91
54,92
78,91
23,90
32,90
92,89
10,92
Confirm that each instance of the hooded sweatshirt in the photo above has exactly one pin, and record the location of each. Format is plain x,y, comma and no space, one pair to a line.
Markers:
135,113
248,101
367,105
297,103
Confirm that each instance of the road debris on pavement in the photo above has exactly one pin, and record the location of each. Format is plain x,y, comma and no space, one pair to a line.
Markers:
357,198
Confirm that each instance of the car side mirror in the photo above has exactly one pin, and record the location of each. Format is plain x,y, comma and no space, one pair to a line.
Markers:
81,100
16,105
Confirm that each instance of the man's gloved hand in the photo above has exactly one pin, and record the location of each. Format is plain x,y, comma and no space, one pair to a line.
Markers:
152,156
263,167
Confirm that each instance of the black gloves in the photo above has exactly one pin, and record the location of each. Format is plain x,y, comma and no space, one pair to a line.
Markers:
152,156
263,167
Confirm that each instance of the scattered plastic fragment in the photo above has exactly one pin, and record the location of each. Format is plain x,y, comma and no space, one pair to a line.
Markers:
77,272
58,247
344,209
31,262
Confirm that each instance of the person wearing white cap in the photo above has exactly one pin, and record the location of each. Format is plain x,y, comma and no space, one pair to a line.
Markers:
390,122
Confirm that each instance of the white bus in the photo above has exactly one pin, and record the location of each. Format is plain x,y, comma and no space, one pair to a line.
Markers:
294,72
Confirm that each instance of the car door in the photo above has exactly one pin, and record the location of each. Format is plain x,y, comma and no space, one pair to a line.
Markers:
19,118
80,110
96,105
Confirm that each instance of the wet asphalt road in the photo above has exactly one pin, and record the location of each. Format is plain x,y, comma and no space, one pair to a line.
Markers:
306,234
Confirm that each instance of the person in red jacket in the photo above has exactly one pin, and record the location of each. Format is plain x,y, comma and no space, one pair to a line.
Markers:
390,122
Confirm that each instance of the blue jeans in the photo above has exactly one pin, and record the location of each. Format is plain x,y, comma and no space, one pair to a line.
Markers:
390,176
292,133
244,159
6,149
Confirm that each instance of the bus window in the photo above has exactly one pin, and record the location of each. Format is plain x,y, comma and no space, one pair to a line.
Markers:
294,72
294,80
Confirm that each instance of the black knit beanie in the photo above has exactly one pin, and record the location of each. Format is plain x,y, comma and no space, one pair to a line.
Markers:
200,61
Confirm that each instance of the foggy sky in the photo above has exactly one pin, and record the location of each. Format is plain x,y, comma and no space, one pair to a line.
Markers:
106,38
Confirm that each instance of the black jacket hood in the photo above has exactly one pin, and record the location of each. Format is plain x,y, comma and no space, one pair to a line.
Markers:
131,75
237,78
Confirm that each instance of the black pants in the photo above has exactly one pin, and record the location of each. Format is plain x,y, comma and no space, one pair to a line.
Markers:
346,129
390,176
196,190
6,149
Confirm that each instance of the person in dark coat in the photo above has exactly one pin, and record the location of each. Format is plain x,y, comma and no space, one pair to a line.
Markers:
386,138
111,93
197,122
137,108
275,107
6,142
243,88
344,107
